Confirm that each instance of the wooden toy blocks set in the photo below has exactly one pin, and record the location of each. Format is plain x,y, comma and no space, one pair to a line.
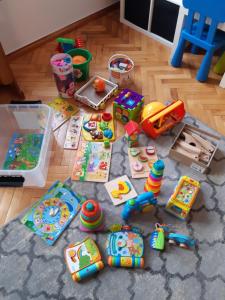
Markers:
194,148
127,106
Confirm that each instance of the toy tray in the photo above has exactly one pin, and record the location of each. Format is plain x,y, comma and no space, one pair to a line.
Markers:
88,95
87,136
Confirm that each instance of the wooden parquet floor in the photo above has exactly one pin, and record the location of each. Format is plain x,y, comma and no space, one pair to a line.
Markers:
153,77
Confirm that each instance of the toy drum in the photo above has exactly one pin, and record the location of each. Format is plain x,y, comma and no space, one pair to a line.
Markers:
120,67
62,68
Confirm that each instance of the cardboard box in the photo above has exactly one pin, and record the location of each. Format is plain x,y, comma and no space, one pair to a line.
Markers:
193,163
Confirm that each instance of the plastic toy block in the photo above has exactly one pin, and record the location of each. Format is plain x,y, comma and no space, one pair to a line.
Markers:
127,106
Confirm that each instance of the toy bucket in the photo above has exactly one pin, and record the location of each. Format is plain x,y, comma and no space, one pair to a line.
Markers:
81,71
62,68
117,75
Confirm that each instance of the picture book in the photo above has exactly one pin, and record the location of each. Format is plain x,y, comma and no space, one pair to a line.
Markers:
120,190
49,216
83,259
63,110
23,151
141,160
92,162
73,133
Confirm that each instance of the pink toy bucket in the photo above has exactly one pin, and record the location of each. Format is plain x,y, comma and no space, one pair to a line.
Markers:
62,68
120,67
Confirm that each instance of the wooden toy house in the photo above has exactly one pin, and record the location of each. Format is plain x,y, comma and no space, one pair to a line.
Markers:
127,106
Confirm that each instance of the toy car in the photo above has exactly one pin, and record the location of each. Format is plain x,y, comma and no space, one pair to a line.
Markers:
181,240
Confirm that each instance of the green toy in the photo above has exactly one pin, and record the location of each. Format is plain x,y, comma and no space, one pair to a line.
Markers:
127,106
219,68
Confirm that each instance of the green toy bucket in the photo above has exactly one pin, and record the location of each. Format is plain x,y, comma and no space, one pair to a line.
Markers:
81,71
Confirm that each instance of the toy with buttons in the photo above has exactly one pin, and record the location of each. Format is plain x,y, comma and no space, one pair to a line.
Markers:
91,217
154,181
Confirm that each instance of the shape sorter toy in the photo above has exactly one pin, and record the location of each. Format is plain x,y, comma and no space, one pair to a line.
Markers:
127,106
183,198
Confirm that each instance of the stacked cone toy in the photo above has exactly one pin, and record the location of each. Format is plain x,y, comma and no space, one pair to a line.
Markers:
91,216
154,181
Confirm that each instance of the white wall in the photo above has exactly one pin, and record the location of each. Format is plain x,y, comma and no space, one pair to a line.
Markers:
24,21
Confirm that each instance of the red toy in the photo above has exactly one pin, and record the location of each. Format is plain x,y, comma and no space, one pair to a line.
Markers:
65,44
157,118
99,85
132,130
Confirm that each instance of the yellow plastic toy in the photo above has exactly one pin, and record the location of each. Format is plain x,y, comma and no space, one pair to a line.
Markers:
98,127
156,117
183,197
123,188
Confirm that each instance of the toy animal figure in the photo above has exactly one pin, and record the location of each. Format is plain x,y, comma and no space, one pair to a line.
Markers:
143,203
181,240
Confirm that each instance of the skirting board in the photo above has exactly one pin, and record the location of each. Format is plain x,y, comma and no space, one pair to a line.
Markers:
62,31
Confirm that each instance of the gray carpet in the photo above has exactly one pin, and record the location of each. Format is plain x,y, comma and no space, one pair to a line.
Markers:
29,269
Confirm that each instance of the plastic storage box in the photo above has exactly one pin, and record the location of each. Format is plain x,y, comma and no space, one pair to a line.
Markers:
25,144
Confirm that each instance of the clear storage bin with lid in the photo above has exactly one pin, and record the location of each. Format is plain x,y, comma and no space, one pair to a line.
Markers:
25,144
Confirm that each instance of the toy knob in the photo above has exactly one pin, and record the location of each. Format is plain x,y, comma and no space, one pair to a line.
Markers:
132,202
90,206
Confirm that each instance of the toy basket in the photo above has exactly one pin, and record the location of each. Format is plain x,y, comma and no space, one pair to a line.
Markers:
81,71
120,77
63,74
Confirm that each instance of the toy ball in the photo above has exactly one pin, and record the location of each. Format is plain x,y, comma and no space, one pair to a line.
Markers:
151,109
79,59
99,85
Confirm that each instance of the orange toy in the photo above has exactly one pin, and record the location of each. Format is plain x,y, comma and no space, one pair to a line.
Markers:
156,117
79,59
99,85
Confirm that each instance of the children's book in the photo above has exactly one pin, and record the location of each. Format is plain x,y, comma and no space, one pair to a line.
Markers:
92,162
49,216
23,151
63,110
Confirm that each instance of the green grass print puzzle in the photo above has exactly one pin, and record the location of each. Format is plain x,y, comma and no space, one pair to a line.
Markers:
23,151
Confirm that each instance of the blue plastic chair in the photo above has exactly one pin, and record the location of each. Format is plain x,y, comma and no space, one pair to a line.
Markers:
201,35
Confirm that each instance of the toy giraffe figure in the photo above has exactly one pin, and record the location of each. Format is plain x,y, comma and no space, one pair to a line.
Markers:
154,181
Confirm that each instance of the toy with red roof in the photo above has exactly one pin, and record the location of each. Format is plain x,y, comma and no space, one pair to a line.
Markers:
132,130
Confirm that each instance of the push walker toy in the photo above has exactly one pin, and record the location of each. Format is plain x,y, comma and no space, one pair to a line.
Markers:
83,259
183,198
125,247
142,204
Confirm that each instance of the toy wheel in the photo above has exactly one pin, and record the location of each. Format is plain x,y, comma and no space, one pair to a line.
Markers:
184,246
172,242
126,227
